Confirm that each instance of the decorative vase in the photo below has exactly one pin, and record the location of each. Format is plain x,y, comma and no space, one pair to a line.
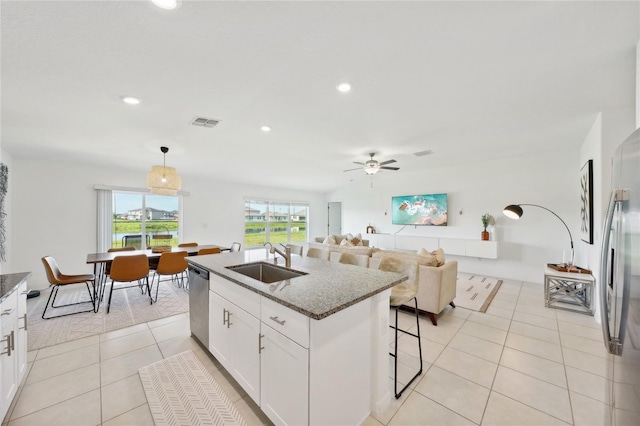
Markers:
485,235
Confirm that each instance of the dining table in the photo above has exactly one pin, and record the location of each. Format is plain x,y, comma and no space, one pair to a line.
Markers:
101,260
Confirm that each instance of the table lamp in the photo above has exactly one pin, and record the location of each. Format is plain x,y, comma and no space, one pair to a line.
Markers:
514,211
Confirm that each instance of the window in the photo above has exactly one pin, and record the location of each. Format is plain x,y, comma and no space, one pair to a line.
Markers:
274,222
130,218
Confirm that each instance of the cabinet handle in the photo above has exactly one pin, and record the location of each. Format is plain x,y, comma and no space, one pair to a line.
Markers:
13,340
224,316
7,312
281,322
8,340
260,347
25,323
229,318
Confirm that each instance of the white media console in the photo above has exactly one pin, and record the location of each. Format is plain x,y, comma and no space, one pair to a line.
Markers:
452,246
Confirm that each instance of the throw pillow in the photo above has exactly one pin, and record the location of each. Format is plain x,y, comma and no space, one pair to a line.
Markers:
357,239
423,252
346,242
439,254
330,240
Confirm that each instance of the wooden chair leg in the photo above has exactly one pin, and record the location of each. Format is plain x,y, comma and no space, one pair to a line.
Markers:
433,318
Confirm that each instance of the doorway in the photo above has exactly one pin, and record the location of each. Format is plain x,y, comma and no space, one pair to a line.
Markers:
334,223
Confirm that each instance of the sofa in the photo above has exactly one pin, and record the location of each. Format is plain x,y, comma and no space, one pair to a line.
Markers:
437,277
342,240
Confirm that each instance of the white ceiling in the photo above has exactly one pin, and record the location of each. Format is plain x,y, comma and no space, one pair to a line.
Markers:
467,80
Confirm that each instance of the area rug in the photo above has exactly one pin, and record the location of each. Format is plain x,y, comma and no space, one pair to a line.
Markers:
128,307
476,292
180,391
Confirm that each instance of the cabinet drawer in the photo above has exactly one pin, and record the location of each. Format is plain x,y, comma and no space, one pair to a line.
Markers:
292,324
236,294
9,305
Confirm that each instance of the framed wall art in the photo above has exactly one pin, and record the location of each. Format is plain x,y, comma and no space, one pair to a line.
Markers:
586,202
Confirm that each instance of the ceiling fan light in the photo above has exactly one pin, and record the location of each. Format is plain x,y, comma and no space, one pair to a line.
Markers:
371,169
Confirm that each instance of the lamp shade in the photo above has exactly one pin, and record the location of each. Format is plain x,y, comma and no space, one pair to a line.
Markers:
163,180
513,211
371,170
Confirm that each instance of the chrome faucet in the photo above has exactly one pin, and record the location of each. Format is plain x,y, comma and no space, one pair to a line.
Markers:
286,254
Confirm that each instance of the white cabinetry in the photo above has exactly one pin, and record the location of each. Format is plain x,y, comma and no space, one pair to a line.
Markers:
300,371
453,246
8,356
234,338
21,341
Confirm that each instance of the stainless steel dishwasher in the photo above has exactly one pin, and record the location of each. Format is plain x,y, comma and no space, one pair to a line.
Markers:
199,303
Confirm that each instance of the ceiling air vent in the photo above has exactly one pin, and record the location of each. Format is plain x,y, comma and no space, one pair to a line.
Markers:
423,153
204,122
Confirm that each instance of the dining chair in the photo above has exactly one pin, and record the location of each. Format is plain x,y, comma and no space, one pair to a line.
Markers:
212,250
107,266
172,264
57,279
188,245
400,294
235,246
318,253
129,269
354,259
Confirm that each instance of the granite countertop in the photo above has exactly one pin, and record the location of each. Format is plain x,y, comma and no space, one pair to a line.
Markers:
9,282
327,288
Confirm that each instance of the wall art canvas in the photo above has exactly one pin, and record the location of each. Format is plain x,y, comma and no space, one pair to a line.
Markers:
428,209
586,202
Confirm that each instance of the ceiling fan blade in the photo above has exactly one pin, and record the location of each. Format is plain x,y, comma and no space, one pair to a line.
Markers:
387,162
350,170
390,168
357,162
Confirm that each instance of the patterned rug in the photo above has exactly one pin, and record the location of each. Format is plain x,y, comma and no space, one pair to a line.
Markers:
180,391
128,307
475,292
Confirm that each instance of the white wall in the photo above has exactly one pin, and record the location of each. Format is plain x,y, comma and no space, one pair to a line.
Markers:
550,179
54,212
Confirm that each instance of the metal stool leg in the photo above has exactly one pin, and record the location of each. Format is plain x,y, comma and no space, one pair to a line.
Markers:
395,353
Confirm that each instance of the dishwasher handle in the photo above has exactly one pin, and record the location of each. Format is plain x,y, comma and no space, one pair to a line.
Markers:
203,273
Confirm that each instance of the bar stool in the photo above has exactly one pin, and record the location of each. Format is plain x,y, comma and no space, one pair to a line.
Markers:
188,245
128,269
58,279
400,294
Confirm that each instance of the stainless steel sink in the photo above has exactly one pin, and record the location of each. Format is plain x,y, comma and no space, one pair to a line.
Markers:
265,272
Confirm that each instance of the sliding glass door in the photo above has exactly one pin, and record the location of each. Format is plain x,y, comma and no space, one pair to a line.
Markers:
274,222
145,220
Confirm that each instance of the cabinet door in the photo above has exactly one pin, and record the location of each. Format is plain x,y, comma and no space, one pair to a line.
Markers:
21,341
218,331
244,340
284,379
8,357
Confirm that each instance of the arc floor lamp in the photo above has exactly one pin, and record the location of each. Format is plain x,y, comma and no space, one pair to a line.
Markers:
514,211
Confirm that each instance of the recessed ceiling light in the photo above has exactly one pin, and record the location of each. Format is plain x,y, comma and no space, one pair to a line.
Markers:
344,87
166,4
130,100
265,129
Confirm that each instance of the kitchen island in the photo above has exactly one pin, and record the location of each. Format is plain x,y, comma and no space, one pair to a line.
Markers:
308,350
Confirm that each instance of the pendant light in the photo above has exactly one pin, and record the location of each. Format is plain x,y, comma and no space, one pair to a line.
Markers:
163,180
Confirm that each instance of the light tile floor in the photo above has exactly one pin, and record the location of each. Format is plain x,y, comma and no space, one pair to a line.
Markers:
518,364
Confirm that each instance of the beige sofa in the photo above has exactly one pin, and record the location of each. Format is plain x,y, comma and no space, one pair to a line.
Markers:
437,284
338,239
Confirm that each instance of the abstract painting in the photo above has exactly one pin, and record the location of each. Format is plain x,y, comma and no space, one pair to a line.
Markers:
586,202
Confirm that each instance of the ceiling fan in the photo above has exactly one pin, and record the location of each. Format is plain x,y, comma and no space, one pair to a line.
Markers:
372,166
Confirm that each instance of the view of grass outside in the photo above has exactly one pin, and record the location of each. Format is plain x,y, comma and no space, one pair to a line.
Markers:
153,228
274,222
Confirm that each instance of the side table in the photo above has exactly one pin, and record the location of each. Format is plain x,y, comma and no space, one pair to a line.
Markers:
569,291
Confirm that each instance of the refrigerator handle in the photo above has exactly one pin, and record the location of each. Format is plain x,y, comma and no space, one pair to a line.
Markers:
613,344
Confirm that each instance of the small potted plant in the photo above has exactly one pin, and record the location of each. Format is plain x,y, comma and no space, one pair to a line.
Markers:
485,222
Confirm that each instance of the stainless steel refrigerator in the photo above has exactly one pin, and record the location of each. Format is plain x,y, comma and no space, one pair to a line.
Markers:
619,285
